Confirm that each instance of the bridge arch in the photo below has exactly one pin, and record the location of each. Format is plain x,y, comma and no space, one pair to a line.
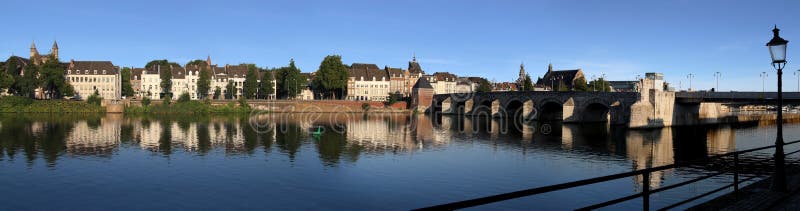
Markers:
596,112
550,110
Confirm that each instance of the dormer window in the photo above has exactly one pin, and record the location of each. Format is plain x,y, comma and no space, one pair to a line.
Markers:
95,72
86,72
104,72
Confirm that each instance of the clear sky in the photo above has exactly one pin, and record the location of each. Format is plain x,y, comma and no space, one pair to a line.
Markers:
621,39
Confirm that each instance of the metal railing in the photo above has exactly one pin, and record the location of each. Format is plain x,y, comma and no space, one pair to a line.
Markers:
644,194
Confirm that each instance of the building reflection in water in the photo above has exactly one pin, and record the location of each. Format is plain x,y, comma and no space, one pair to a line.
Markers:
348,137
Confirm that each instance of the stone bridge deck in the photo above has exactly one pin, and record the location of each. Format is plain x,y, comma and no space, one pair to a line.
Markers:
728,97
613,107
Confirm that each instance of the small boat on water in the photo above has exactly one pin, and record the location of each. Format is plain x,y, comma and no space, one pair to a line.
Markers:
318,132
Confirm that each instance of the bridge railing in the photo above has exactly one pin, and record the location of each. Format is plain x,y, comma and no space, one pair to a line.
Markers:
644,194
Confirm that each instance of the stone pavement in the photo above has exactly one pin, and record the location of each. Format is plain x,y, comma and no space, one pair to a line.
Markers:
757,196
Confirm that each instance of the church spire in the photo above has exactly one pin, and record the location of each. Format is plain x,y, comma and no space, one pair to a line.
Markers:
550,67
208,60
34,52
54,50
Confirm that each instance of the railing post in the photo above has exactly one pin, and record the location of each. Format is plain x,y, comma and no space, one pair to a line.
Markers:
736,175
646,191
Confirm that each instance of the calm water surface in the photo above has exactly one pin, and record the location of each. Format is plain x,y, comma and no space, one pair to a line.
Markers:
340,161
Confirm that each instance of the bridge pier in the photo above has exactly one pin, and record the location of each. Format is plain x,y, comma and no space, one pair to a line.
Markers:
528,110
447,106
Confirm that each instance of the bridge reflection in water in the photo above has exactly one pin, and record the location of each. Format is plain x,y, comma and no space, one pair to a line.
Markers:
348,138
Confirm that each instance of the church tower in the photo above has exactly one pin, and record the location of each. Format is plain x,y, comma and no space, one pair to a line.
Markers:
34,52
208,60
54,50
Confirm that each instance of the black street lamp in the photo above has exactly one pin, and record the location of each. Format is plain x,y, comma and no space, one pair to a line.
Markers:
777,49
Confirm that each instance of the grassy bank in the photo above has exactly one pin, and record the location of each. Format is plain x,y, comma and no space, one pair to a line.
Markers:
15,104
189,107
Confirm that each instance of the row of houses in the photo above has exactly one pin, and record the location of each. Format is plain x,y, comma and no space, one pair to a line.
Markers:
366,82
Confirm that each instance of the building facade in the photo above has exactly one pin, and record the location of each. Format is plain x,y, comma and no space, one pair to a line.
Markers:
89,77
367,82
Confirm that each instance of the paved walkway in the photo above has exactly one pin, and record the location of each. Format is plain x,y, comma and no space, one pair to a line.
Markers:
757,196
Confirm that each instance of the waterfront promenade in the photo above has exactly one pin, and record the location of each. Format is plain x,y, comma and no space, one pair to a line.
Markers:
757,196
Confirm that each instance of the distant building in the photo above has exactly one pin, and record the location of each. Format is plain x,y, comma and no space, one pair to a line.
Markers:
307,93
88,77
443,82
555,78
38,59
624,86
505,87
367,82
653,81
136,82
421,95
413,74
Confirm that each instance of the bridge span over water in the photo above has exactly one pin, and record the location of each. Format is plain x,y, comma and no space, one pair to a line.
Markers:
653,108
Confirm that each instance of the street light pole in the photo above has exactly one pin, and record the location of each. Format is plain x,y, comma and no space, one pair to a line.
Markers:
797,75
717,75
777,50
764,76
690,76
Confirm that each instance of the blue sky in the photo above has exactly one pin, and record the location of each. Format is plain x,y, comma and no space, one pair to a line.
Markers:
620,39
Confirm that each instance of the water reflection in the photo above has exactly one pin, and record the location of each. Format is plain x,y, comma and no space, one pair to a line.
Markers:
346,139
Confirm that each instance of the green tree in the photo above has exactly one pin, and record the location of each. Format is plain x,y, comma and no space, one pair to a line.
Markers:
290,81
484,85
230,90
184,98
28,82
331,78
165,74
94,99
127,89
265,88
197,62
204,82
145,101
527,84
217,92
600,85
251,82
52,79
580,85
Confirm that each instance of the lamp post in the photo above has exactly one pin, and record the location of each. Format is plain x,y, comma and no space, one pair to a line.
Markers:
717,75
690,76
777,50
764,76
594,85
797,75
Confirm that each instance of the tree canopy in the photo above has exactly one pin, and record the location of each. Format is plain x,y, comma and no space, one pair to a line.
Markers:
484,85
527,84
265,88
251,82
580,85
127,89
600,85
331,78
290,81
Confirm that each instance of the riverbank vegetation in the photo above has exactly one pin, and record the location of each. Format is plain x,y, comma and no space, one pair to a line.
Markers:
19,104
184,106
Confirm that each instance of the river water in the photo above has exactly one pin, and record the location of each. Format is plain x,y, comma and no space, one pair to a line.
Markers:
342,161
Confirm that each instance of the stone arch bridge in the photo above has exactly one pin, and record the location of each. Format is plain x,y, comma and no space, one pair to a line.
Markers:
612,107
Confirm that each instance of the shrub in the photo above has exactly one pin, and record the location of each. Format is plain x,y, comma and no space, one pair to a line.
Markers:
146,101
184,98
94,99
243,103
167,100
365,106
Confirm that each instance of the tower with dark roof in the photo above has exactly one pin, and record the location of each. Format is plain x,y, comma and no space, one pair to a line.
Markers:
34,52
54,50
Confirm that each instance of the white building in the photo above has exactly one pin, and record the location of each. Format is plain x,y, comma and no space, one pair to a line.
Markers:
88,77
367,82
